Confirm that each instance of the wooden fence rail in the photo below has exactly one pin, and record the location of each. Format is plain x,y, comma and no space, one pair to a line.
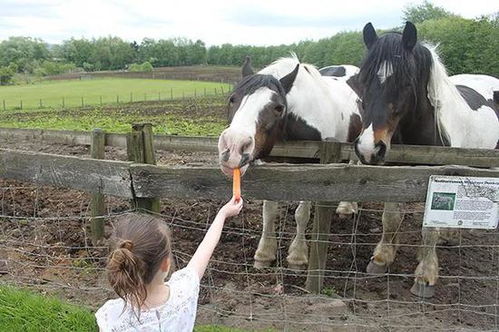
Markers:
407,154
283,182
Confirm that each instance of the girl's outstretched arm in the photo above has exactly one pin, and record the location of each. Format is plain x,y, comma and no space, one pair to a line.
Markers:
201,257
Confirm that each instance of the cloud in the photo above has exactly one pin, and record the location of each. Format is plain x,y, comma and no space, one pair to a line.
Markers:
19,9
256,22
259,18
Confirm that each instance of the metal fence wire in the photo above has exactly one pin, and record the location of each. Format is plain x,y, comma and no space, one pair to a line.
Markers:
44,236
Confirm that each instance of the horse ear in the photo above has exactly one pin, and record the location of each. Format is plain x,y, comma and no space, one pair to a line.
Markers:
288,80
247,70
409,36
370,36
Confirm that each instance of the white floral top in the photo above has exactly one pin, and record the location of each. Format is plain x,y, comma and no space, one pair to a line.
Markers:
177,314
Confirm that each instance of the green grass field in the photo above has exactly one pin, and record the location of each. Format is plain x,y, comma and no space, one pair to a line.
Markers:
113,123
22,310
190,117
53,94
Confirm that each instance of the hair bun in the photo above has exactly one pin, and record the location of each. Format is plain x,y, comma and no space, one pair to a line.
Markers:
127,244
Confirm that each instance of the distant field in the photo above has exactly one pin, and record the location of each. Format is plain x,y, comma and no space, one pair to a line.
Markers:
71,93
193,73
202,116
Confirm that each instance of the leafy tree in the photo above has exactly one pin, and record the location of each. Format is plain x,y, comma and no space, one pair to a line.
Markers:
7,72
135,67
53,68
25,52
424,12
77,51
466,46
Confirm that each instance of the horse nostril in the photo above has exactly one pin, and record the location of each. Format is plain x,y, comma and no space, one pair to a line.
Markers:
381,151
226,155
245,158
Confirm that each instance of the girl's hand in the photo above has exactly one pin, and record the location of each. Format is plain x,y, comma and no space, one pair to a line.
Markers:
232,208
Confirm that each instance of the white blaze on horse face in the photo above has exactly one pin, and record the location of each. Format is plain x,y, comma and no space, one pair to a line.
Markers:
246,117
365,145
385,71
238,141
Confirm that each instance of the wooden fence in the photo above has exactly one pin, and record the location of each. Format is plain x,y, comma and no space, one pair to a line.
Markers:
281,182
308,150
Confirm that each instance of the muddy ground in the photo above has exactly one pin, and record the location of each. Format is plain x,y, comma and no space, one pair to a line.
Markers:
44,233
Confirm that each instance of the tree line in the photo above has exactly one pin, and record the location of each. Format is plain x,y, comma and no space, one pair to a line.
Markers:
466,45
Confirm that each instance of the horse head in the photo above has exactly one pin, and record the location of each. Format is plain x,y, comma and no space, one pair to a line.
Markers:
256,112
391,79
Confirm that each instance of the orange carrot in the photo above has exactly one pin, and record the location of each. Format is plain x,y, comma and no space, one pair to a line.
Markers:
236,184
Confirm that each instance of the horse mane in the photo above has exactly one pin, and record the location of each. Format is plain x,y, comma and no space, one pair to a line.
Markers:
251,83
285,65
413,66
439,84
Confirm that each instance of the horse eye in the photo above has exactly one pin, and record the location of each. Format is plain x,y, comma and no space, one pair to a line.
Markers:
231,100
279,108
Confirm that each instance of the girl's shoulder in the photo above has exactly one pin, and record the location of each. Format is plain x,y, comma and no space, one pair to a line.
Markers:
184,286
109,312
187,275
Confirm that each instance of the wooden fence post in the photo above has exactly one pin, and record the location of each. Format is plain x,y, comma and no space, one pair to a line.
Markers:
319,243
140,149
97,205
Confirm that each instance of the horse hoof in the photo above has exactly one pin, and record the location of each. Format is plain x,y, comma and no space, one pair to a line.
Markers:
374,268
423,290
261,264
297,267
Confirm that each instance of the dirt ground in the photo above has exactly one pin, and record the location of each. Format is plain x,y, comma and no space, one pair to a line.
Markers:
44,235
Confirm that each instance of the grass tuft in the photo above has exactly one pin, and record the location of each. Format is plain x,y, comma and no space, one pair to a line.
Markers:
21,310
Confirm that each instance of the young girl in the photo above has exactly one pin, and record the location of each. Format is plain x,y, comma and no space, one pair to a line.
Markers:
137,269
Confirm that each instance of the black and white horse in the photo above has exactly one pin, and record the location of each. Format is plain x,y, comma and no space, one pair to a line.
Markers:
407,98
287,100
339,72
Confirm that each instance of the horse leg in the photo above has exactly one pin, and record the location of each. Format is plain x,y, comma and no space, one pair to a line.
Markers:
385,251
427,270
298,250
346,209
267,246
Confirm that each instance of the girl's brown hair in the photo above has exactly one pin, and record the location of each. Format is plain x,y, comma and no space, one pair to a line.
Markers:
142,242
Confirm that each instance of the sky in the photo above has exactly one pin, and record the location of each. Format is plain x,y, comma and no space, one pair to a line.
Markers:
251,22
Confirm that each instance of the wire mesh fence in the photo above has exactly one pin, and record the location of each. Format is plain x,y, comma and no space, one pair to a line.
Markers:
44,236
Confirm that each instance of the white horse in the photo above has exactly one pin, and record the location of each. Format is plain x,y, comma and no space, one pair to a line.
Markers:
286,100
407,98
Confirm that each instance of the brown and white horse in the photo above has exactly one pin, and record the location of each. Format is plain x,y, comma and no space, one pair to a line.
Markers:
287,100
407,98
